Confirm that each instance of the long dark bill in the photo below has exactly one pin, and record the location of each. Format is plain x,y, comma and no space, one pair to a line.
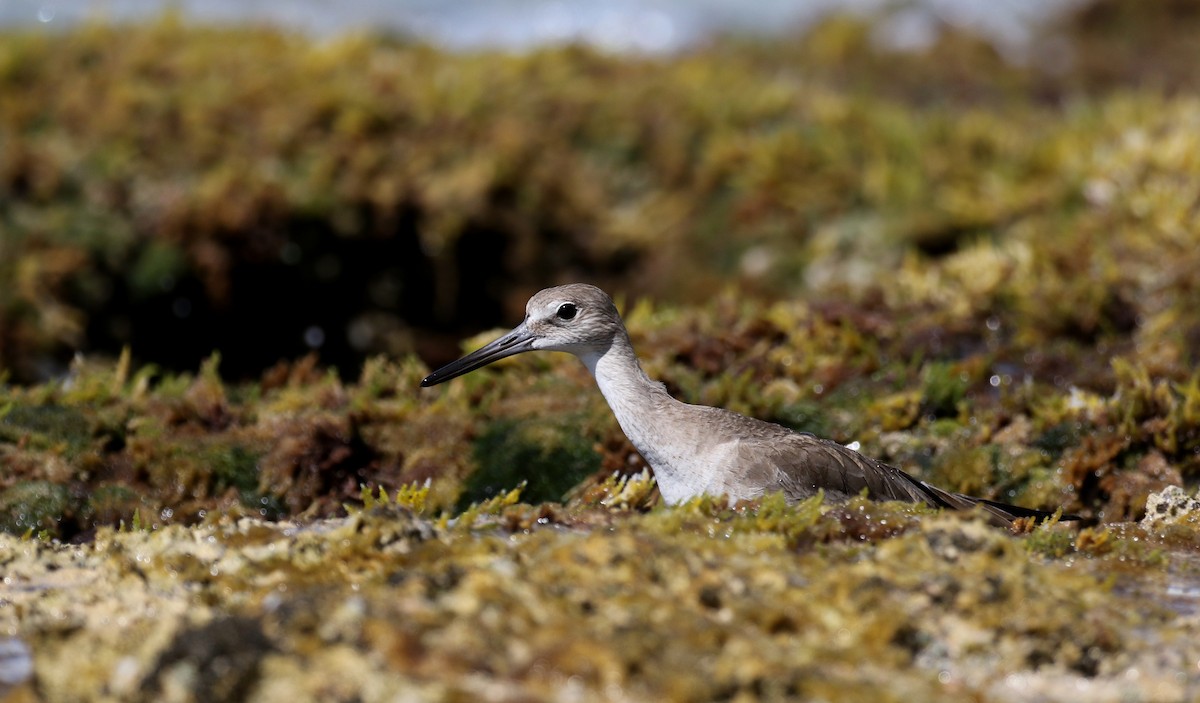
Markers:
514,342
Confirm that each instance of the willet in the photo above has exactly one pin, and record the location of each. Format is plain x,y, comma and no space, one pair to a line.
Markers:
696,449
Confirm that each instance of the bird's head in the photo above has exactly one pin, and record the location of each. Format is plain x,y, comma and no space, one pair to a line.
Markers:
576,318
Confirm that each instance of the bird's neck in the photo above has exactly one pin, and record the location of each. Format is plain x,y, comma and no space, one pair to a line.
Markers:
624,384
645,412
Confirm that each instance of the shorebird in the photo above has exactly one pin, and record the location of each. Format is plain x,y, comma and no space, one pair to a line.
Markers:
697,449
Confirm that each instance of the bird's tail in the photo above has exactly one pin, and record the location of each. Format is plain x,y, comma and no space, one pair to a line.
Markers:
1003,513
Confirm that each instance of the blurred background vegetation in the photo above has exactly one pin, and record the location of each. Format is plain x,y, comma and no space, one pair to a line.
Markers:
181,189
942,234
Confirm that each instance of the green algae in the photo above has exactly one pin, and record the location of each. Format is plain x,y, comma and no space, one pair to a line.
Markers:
237,467
944,385
38,506
548,458
110,504
803,416
62,428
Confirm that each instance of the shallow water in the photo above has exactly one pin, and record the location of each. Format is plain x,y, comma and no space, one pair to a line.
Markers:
1178,589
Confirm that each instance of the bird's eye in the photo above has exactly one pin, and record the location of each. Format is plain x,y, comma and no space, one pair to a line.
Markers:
566,311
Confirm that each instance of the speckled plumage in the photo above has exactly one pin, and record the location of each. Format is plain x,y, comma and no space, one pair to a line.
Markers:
696,449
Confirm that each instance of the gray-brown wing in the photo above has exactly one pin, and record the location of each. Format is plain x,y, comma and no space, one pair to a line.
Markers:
806,463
